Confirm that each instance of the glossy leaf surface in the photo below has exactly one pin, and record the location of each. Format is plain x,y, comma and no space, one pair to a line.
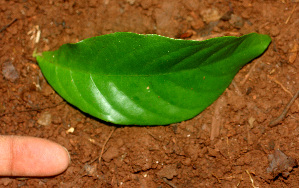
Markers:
133,79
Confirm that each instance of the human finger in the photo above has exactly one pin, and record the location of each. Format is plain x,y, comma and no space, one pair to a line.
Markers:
31,156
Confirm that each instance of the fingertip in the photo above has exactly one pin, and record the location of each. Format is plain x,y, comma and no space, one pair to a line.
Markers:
31,156
64,158
58,159
68,154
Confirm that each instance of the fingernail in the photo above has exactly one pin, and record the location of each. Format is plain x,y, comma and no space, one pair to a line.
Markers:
67,154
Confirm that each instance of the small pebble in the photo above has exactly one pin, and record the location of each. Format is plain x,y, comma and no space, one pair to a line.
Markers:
236,21
274,31
280,163
131,2
210,15
226,16
111,153
70,130
90,169
168,172
251,121
9,71
187,161
47,90
45,119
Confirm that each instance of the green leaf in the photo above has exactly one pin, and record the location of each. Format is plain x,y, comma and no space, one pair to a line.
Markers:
134,79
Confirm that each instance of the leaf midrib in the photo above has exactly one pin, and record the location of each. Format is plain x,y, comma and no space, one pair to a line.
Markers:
154,74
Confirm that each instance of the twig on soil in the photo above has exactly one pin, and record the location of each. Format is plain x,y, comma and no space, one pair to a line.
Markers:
154,137
238,183
104,145
280,84
6,26
252,182
100,157
289,17
238,91
217,118
218,179
169,183
33,109
248,74
284,112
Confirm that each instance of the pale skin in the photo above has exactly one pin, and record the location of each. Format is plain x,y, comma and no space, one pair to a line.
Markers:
30,156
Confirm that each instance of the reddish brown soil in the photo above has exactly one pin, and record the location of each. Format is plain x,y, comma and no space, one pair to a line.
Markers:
227,145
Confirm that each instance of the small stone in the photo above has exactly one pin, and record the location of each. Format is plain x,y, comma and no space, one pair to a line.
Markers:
47,90
227,16
111,153
280,163
120,142
90,169
187,161
70,130
146,4
187,34
131,2
251,121
197,24
56,119
236,21
97,130
210,15
274,31
45,119
246,14
168,172
212,152
9,71
190,128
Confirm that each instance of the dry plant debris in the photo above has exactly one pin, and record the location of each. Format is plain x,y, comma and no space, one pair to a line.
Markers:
9,71
284,112
280,163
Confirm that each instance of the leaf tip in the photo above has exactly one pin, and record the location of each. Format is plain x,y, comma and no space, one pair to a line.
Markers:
261,41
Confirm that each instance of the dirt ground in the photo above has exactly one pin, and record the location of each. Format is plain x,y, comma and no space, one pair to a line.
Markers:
230,144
